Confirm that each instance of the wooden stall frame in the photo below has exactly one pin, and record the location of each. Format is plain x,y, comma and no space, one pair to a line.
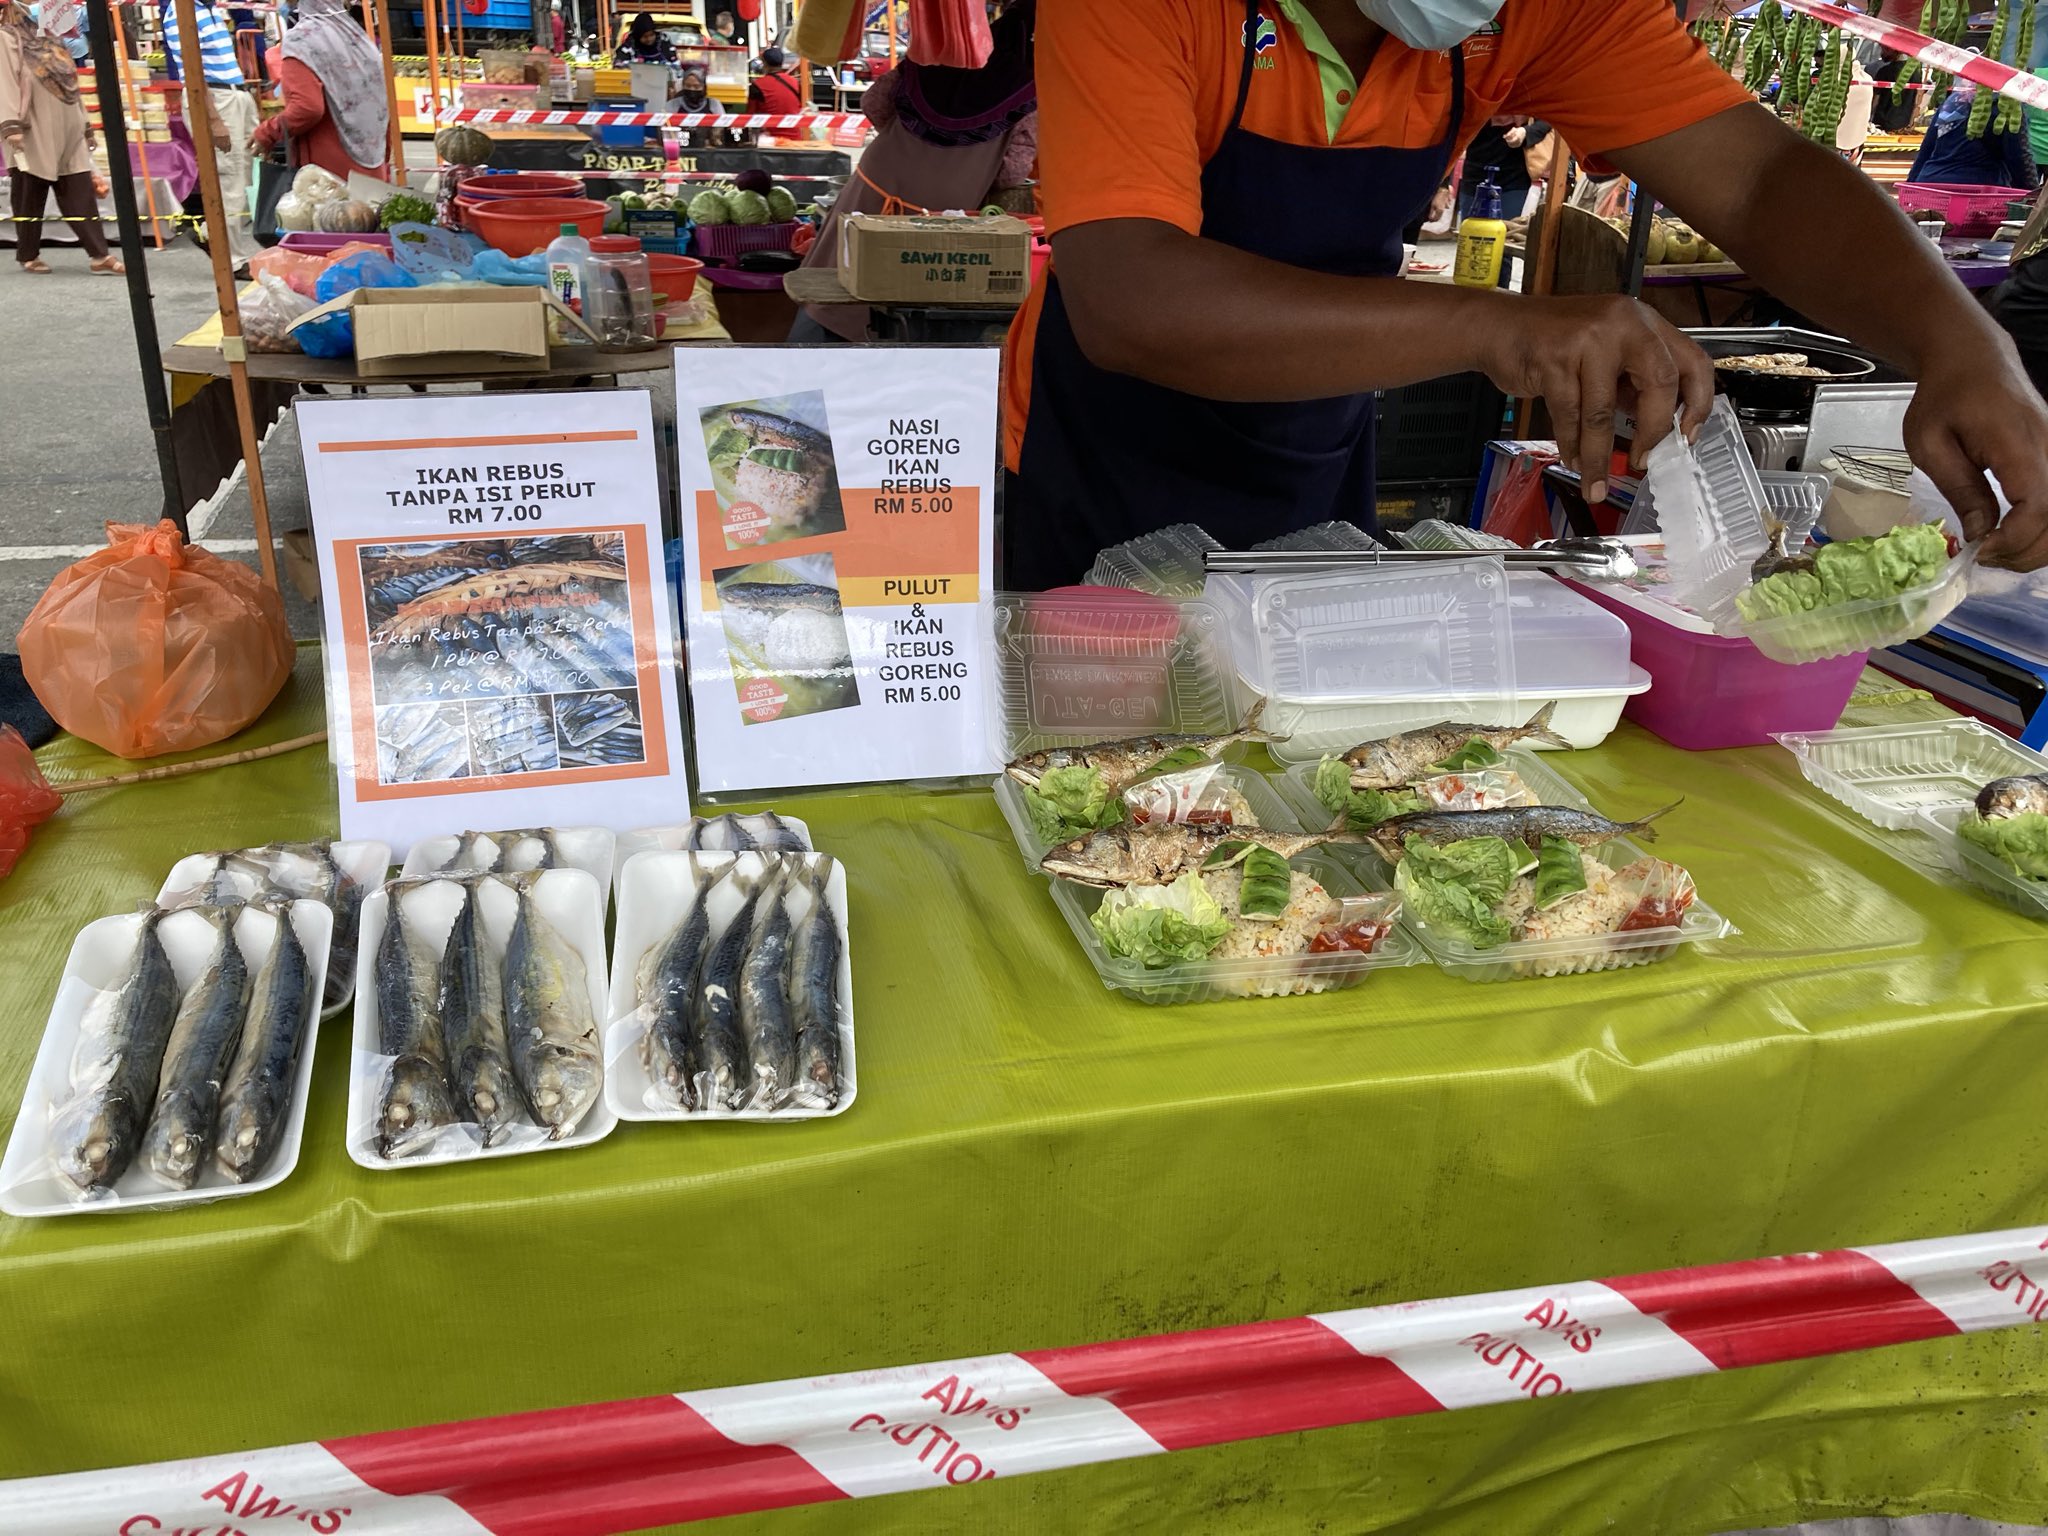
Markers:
132,109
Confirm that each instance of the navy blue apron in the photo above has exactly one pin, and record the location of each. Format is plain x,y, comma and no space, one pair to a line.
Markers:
1107,456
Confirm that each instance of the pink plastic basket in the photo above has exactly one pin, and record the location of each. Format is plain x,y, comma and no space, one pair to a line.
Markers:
1710,692
728,242
1971,211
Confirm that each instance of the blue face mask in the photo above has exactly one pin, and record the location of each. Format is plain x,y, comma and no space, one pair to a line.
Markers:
1431,25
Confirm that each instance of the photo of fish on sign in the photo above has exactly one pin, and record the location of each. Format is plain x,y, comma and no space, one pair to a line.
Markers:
787,637
772,469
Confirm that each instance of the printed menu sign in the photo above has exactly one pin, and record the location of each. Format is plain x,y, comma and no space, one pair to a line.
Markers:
839,531
499,628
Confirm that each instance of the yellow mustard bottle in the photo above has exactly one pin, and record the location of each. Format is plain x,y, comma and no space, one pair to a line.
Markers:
1482,239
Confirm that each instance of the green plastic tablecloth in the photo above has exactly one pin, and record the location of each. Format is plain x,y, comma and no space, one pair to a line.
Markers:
1034,1162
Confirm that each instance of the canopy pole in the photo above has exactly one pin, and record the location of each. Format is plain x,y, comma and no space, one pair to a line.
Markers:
108,69
381,10
1543,260
133,109
889,15
432,19
199,117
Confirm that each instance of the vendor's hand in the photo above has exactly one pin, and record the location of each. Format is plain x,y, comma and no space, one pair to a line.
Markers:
1515,138
1978,413
1586,357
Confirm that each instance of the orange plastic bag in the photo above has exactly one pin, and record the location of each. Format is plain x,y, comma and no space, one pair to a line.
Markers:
26,799
152,646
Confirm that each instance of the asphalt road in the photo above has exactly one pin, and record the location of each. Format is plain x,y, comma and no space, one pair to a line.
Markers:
75,446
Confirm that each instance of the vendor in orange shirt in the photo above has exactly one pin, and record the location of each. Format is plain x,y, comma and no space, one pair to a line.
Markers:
1226,181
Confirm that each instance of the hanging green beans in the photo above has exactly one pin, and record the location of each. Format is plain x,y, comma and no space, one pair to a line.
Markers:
1911,68
1830,99
1987,101
1765,38
2011,116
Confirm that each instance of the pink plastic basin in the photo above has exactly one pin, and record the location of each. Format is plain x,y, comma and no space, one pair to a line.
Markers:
1710,691
1968,210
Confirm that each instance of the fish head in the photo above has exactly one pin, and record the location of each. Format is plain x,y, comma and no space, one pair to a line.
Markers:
565,1084
93,1141
1373,766
1388,841
417,1106
175,1151
1029,770
1098,860
238,1141
2004,798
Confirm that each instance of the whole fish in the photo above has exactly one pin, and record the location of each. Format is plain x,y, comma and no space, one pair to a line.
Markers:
258,1093
2025,796
717,1061
1122,763
773,430
334,888
203,1041
748,608
814,995
667,983
737,837
1526,824
549,1025
778,836
766,1021
416,1102
473,1026
93,1134
1158,853
1401,759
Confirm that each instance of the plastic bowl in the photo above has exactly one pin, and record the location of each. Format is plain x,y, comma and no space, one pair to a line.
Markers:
492,188
675,277
520,226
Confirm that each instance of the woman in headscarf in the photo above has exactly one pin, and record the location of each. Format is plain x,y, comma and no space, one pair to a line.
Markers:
644,44
946,138
332,78
48,141
693,94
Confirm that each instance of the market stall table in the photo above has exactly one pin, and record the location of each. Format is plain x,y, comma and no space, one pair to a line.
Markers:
1033,1162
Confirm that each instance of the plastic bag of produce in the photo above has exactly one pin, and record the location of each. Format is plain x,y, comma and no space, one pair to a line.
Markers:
26,799
315,185
268,314
335,335
298,270
153,646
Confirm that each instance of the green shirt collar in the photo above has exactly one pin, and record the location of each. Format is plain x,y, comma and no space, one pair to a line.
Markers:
1330,66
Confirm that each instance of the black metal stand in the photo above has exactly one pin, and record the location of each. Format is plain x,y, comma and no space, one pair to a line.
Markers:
128,226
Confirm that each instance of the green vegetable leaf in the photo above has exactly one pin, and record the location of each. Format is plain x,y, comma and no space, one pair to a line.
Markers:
1525,856
1449,907
1267,886
1485,866
1071,802
1560,871
1179,760
1474,754
1852,570
2020,842
1333,785
1227,854
1362,809
1157,925
790,460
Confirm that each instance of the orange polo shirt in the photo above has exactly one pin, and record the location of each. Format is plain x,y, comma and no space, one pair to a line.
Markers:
1134,97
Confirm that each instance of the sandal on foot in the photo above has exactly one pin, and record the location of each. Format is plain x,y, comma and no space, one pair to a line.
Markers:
108,266
34,266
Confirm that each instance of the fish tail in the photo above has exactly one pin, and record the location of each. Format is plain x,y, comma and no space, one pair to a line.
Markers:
1252,730
818,876
1641,826
1539,729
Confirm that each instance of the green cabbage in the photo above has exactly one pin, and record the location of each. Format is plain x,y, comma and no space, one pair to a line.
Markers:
781,206
1070,803
1485,866
1852,570
2021,842
1474,754
1560,871
1267,885
748,208
1450,907
1362,809
1157,925
709,207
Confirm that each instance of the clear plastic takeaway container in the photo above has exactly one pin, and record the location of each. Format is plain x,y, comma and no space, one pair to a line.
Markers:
1073,669
1269,808
1899,776
1983,869
1204,981
1435,533
1166,562
1325,539
1794,497
1869,624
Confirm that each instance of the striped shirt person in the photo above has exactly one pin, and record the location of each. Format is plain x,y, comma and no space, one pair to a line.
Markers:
216,46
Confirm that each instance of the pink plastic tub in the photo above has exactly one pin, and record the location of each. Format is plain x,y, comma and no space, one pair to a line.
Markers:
1710,692
1968,210
309,242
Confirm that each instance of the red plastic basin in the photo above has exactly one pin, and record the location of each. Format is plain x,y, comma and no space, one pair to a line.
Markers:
497,188
674,277
520,226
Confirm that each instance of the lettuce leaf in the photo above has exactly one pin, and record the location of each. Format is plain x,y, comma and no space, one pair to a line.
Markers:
1267,885
1362,809
1071,802
1178,760
1852,570
1157,925
1333,784
2020,842
1560,871
1485,866
1474,754
1450,907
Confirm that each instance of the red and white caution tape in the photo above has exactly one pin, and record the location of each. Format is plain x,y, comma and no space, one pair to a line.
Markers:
617,1467
780,121
1966,63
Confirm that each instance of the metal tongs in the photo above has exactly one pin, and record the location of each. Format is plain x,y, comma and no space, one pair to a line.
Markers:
1588,559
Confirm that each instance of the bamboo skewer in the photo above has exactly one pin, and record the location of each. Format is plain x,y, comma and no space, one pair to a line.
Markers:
197,765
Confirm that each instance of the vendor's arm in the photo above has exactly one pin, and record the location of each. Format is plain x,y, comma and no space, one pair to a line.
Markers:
1820,235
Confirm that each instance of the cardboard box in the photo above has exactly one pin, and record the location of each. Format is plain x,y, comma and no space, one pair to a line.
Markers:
925,259
403,331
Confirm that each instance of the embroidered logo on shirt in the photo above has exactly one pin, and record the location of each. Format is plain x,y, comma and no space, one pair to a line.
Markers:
1261,36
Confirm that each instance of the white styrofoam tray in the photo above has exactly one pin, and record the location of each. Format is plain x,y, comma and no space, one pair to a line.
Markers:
654,893
585,848
572,901
30,1184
